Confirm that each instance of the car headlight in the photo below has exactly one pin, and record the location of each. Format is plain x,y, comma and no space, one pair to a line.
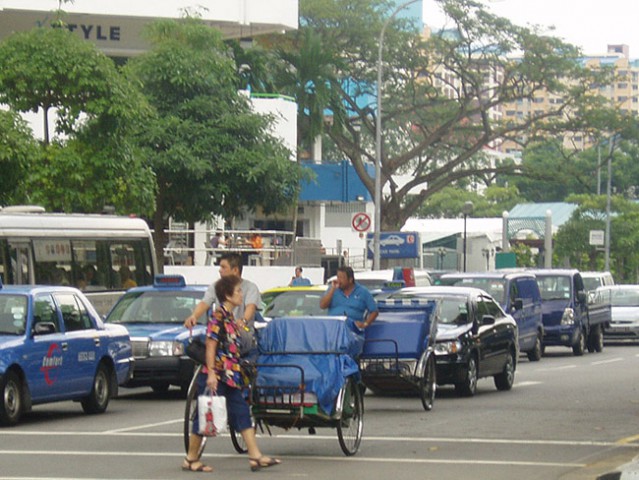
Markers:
166,349
447,348
568,318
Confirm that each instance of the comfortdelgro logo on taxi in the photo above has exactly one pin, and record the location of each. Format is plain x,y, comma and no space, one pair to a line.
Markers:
50,363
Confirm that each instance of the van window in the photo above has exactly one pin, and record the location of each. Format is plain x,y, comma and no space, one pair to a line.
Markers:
554,287
528,289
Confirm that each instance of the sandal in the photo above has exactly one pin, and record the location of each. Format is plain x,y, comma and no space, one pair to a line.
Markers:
200,468
259,463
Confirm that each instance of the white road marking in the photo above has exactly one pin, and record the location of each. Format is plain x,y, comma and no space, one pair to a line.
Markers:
526,384
554,369
611,360
455,461
367,438
148,425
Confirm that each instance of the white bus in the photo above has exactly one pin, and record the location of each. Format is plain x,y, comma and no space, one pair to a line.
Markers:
103,255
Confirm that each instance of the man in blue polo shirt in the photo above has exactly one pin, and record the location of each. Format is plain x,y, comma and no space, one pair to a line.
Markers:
346,297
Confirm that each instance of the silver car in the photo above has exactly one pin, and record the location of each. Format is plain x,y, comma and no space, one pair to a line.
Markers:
624,302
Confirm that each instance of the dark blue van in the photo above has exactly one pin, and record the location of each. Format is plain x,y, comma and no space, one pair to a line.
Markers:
518,294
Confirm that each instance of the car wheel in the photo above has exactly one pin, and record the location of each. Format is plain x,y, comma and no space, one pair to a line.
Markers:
468,387
596,341
98,399
11,405
505,380
534,355
160,388
579,348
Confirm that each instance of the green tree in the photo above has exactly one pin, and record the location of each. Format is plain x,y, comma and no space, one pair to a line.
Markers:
18,153
436,103
210,153
51,68
93,161
572,239
448,202
551,170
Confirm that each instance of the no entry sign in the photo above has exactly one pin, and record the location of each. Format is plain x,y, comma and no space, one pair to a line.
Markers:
361,222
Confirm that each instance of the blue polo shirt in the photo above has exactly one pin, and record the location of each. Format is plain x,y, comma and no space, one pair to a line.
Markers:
300,282
359,301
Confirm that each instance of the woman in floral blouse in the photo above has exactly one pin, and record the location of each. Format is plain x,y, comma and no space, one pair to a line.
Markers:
223,375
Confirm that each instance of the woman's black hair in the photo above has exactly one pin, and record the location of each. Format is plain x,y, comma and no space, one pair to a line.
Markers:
225,287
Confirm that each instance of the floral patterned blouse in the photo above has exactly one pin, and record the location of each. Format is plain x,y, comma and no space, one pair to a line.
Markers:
222,327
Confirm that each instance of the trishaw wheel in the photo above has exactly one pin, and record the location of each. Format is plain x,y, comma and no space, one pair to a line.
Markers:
191,410
351,424
238,441
427,384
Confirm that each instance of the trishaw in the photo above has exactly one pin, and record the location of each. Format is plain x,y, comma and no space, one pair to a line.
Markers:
305,377
398,354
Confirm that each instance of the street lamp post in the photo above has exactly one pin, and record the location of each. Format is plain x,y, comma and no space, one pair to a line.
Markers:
467,209
378,138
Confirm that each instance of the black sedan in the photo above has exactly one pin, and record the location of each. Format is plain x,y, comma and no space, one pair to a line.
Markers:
475,337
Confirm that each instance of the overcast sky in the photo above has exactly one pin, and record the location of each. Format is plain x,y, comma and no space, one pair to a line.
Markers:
589,24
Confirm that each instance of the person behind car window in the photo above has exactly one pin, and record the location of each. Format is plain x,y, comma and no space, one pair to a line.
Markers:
298,280
127,278
223,376
346,297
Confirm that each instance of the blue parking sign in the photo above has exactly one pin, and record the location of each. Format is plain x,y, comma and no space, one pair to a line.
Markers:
394,245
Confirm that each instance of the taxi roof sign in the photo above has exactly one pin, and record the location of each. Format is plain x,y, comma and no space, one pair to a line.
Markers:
169,281
405,274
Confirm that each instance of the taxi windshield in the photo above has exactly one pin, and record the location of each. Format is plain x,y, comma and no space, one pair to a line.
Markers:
13,314
292,303
156,307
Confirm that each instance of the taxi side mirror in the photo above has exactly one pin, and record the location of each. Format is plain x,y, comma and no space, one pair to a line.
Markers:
44,328
488,320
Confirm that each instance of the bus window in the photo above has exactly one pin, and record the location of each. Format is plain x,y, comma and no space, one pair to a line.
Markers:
20,265
53,261
91,252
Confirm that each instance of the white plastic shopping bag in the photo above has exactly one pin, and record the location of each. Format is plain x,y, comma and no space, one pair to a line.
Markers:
220,416
212,414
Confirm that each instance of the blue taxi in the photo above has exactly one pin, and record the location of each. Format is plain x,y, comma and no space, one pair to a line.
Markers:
53,347
154,316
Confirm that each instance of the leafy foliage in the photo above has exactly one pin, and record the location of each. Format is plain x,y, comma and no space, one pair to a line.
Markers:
449,201
437,104
92,162
18,152
572,239
210,153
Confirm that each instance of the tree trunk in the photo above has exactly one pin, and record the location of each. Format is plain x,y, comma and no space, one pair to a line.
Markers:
45,111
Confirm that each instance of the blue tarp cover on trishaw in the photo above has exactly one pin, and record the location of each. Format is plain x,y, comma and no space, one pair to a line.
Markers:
323,346
401,329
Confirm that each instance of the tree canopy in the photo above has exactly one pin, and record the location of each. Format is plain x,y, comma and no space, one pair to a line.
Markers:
210,153
440,92
92,161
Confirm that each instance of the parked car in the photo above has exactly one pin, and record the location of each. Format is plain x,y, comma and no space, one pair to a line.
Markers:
593,280
518,294
292,302
54,347
154,316
624,307
475,337
569,319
